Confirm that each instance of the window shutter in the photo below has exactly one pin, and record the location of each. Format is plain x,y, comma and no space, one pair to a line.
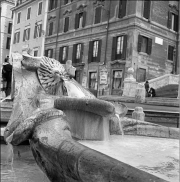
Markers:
51,55
90,52
18,35
66,24
84,19
123,13
67,50
139,43
120,9
40,30
76,21
82,49
124,47
113,54
14,38
147,5
74,54
60,54
28,34
176,23
99,51
24,35
35,31
55,4
169,20
97,15
149,48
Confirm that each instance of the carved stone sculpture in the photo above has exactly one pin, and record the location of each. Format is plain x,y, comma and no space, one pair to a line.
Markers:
51,109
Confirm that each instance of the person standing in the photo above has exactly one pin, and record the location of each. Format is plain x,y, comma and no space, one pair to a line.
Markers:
147,88
7,75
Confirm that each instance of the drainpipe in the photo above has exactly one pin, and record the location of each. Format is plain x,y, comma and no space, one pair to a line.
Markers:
178,47
58,19
107,31
44,28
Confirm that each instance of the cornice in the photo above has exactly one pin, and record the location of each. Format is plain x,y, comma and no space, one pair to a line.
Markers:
22,5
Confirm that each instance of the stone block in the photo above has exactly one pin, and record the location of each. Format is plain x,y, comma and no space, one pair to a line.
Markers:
140,95
138,114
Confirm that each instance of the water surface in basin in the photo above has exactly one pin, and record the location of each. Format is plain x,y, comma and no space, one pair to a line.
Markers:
23,168
158,156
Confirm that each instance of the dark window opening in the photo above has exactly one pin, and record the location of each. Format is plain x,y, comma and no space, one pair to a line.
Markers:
40,8
10,28
50,28
93,80
8,43
26,35
122,8
173,21
97,18
170,53
63,54
52,4
144,44
80,20
19,17
16,37
147,6
28,13
77,53
66,24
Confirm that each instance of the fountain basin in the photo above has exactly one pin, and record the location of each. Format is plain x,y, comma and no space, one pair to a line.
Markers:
157,156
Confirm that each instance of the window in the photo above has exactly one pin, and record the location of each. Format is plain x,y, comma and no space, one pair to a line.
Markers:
119,47
28,13
37,30
80,20
117,79
8,43
35,53
94,51
77,53
144,44
50,28
65,2
16,37
141,75
66,24
147,6
97,18
52,4
63,54
78,76
26,35
10,28
40,8
173,21
122,8
93,80
170,53
49,53
18,17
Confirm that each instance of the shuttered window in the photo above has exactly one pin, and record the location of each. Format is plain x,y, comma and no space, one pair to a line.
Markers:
37,30
8,42
10,28
122,8
66,24
119,47
170,52
97,18
26,35
173,21
40,8
50,28
93,80
52,4
28,13
16,37
80,20
94,51
49,53
77,53
144,44
63,54
147,6
18,17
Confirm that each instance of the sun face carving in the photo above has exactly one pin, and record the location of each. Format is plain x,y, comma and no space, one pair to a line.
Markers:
51,74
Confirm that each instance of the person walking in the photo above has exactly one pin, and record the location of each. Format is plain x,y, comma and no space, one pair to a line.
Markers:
147,88
7,75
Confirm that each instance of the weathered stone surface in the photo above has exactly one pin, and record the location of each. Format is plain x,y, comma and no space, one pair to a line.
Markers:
140,95
138,113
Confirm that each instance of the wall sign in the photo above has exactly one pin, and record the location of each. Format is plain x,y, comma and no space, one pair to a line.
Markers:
103,76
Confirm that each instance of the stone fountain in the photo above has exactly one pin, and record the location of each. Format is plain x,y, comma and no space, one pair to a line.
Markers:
54,112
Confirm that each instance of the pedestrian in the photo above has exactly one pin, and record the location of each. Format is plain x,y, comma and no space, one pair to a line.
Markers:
152,92
146,85
7,75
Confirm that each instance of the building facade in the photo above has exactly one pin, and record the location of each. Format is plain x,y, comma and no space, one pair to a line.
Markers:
6,28
104,38
29,25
